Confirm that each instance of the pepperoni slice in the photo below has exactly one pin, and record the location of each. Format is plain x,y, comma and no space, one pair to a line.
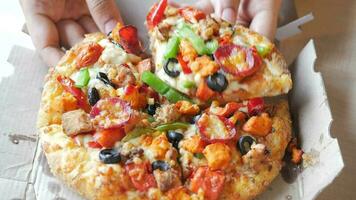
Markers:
110,113
238,60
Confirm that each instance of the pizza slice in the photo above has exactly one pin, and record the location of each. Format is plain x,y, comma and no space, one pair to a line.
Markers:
207,58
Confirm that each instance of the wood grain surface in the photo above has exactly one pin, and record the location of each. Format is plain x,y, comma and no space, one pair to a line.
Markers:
334,31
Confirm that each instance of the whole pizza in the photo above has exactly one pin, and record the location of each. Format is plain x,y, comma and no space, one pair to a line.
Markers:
188,123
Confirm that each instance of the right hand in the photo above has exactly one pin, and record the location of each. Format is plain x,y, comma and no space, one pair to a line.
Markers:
53,24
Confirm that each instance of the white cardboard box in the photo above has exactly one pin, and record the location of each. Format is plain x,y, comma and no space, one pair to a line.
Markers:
24,169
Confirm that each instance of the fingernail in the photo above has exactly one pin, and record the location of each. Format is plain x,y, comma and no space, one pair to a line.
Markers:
109,25
229,15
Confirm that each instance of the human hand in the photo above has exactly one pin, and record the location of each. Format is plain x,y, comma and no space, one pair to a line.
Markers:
260,15
53,24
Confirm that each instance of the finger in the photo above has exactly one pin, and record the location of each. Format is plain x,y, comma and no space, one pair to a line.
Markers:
226,9
105,14
265,23
44,36
88,24
70,33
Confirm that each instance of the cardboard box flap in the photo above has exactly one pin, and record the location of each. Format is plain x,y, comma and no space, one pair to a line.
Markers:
312,117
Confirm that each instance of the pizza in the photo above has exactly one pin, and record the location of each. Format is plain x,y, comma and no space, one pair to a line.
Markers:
208,58
111,127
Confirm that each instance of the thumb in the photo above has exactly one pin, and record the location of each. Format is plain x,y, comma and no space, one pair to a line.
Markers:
105,14
226,9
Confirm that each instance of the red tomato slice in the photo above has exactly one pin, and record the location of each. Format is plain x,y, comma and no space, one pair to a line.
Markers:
255,106
108,137
68,85
110,113
227,110
156,14
191,14
95,145
238,60
211,182
88,54
185,68
215,128
129,40
141,176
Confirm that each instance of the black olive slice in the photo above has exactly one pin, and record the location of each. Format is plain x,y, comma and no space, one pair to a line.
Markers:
174,138
161,165
217,82
93,96
109,156
151,108
244,144
171,71
104,78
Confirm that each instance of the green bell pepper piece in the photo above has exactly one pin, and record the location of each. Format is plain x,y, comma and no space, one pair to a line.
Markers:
198,43
188,84
212,46
172,47
172,126
263,50
162,88
137,132
154,82
199,155
83,78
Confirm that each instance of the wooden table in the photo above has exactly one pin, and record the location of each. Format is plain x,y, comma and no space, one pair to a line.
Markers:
334,31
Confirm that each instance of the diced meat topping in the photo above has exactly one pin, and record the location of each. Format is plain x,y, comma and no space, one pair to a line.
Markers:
187,108
204,66
218,155
144,65
255,156
75,122
166,113
121,75
258,125
166,179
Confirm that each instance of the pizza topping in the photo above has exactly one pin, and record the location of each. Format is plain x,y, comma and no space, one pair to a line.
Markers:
204,66
217,82
151,108
238,60
108,137
244,144
186,32
180,193
215,128
238,118
156,14
255,106
93,96
187,108
264,49
225,111
129,40
184,65
75,122
187,51
172,126
193,144
255,156
104,78
211,182
111,113
141,176
169,67
83,78
160,165
135,133
136,98
212,46
109,156
218,155
191,14
88,54
121,75
174,138
258,125
204,93
144,65
78,94
172,47
166,179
